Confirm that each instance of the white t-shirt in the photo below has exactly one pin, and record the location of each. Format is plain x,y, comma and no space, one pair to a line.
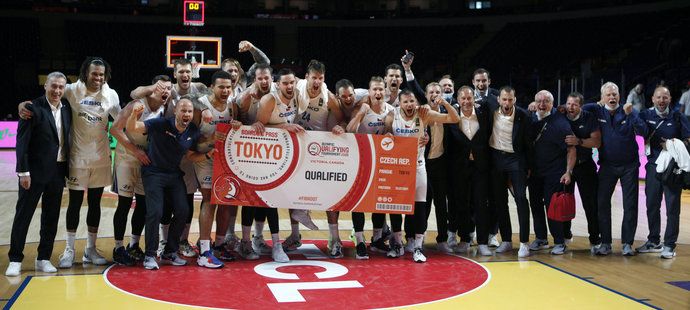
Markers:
90,145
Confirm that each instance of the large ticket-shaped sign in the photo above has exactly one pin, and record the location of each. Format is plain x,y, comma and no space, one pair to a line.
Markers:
315,171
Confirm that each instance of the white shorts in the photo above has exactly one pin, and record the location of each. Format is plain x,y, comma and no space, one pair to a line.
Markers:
189,177
420,186
127,181
85,178
204,173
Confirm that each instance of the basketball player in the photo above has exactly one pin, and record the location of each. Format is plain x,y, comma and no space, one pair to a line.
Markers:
91,100
248,102
220,105
407,121
370,120
130,155
278,110
237,75
322,106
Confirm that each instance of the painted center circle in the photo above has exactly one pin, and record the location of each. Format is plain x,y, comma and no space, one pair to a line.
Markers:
311,280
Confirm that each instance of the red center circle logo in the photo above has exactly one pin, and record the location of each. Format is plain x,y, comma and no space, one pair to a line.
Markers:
309,280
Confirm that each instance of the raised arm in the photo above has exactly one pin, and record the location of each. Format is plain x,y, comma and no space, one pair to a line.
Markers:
435,117
133,123
118,131
356,120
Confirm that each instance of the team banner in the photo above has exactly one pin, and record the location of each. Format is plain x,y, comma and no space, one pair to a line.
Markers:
315,171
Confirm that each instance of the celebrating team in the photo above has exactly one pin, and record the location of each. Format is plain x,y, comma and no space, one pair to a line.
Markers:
474,149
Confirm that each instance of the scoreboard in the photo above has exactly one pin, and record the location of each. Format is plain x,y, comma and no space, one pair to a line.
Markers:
193,14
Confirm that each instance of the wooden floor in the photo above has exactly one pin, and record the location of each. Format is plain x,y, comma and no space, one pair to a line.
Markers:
643,278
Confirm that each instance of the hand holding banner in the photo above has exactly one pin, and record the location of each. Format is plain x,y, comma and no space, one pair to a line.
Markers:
315,171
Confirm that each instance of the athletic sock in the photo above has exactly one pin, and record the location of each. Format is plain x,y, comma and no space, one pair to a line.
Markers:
91,240
70,239
359,235
258,228
134,239
418,240
275,238
205,246
118,244
231,227
377,233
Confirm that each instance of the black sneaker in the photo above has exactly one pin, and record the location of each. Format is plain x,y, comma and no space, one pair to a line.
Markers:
362,251
135,252
120,256
223,253
379,246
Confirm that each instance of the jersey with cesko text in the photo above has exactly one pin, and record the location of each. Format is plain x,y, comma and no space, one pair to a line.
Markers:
208,129
284,113
90,144
374,123
250,117
412,128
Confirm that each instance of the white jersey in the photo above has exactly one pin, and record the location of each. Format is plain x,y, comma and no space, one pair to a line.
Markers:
250,117
283,113
218,117
374,123
412,128
138,139
395,101
90,144
315,115
194,92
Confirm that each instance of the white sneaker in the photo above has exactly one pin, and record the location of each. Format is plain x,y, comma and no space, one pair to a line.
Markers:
504,247
92,256
418,256
462,247
452,239
395,251
303,217
259,245
150,263
186,249
493,241
278,254
66,258
335,249
409,246
45,266
483,250
666,253
443,247
14,269
246,251
524,250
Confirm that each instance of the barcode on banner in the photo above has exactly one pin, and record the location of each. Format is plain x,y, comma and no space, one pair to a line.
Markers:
393,207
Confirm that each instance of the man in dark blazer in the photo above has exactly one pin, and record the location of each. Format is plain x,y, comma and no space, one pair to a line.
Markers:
42,165
470,162
509,145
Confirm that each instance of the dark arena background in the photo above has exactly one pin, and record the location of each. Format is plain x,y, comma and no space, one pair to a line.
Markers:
560,46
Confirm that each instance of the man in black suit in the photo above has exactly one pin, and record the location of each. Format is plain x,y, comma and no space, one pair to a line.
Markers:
42,165
470,161
509,143
483,93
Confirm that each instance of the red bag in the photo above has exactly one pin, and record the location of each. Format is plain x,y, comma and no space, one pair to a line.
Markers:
562,206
